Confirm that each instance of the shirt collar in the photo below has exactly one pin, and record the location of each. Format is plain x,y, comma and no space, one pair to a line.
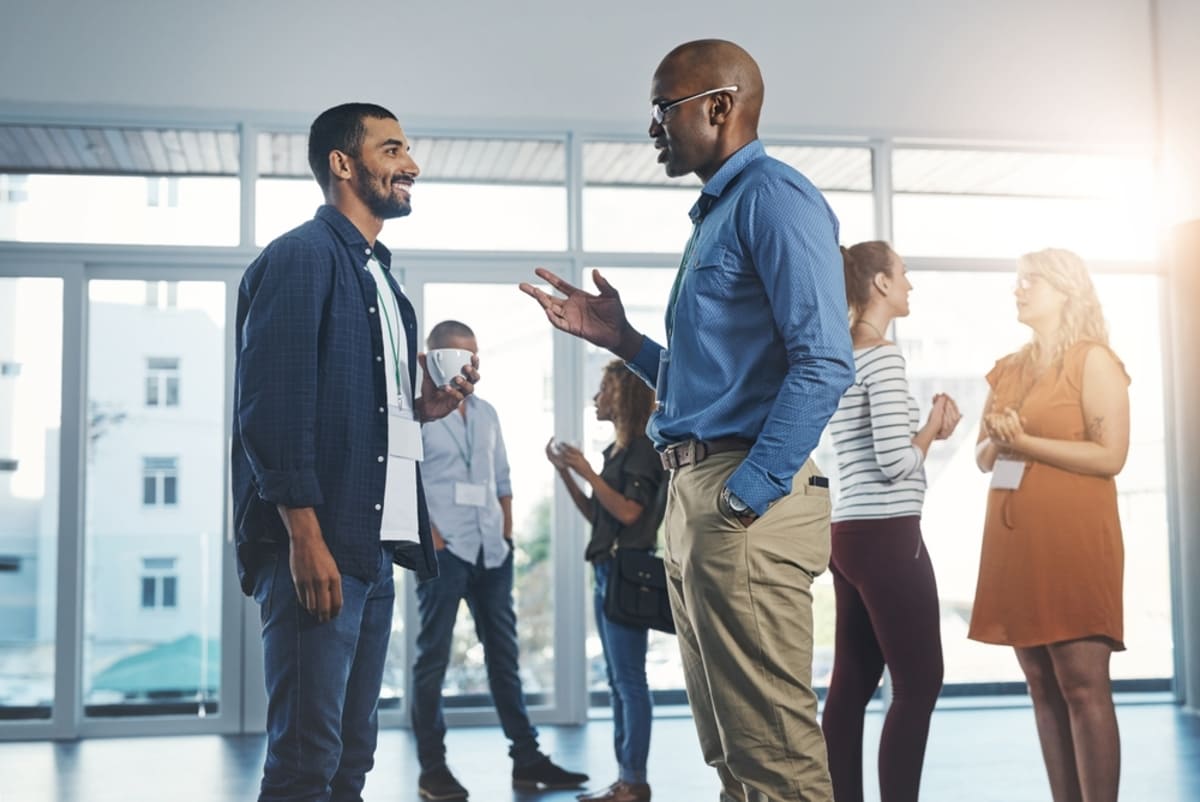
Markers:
349,234
724,176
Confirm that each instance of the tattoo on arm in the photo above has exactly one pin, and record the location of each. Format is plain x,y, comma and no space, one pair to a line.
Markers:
1094,429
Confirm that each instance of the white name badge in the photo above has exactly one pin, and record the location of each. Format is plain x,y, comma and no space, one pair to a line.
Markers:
470,495
404,435
1007,473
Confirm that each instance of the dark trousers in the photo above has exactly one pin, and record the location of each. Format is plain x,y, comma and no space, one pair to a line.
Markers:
323,685
887,614
488,592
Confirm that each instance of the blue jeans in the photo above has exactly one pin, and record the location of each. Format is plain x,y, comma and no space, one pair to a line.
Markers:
625,662
323,685
488,592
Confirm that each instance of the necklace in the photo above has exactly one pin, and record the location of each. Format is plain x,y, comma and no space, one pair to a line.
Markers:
869,325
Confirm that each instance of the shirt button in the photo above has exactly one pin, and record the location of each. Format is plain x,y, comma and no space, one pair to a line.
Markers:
371,309
367,251
378,507
383,409
378,359
380,459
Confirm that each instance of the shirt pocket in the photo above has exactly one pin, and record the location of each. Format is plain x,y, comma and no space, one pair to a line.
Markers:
711,271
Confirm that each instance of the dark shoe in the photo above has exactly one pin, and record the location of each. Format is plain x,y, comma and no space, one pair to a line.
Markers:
619,792
439,784
545,776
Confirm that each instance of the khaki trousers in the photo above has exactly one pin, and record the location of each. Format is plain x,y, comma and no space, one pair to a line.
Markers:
742,600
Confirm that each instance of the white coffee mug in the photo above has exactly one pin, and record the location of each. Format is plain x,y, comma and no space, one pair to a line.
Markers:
446,363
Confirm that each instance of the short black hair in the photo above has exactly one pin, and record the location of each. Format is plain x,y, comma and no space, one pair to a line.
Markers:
445,330
340,128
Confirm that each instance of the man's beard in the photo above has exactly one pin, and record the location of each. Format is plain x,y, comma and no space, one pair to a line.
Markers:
383,204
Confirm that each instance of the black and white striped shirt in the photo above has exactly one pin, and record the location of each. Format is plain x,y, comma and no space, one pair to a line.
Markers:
880,471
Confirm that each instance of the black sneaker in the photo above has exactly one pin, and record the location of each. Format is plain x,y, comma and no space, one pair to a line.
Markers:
545,776
439,784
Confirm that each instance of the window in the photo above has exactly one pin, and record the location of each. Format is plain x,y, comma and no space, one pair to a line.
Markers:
14,188
162,382
629,204
958,203
162,294
8,464
473,194
160,582
10,369
162,192
160,478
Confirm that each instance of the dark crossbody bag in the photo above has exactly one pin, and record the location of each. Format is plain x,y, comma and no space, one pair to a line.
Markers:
636,595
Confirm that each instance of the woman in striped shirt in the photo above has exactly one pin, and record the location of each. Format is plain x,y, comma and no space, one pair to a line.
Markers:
887,604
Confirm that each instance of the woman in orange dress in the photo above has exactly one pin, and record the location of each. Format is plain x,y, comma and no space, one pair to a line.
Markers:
1055,432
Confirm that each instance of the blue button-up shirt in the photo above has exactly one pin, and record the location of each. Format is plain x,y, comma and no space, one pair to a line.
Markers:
310,399
468,451
759,346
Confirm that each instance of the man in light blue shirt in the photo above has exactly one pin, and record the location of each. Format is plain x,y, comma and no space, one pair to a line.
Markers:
470,506
758,355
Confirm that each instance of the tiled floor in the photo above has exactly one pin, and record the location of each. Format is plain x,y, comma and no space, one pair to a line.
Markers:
974,755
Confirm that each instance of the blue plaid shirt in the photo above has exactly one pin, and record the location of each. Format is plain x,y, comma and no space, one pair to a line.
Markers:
759,346
310,399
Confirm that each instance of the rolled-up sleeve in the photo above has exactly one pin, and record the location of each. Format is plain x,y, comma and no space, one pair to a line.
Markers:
277,369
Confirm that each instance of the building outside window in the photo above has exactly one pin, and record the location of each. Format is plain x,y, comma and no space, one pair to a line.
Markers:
160,583
160,481
162,382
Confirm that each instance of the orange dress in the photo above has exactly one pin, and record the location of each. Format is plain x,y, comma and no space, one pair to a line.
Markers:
1053,562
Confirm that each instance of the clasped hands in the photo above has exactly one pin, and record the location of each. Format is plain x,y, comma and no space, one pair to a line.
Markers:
1004,427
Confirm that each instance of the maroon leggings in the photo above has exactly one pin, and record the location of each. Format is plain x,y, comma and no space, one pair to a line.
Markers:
887,614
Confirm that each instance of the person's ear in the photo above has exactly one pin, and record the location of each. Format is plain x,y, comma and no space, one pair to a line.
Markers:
340,165
881,282
721,109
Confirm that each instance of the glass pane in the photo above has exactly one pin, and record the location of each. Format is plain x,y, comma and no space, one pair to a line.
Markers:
166,658
941,359
515,353
452,216
152,390
149,591
644,292
172,391
149,490
1001,204
30,420
168,594
115,209
630,205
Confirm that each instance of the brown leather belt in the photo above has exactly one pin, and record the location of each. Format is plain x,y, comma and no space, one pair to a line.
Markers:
693,452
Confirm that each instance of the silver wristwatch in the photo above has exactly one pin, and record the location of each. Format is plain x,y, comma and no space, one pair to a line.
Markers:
734,503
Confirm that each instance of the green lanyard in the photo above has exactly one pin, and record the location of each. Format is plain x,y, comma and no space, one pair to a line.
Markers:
467,451
392,342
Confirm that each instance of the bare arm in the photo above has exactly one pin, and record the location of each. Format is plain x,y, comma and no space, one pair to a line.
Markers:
1106,424
581,500
315,575
506,508
986,449
618,506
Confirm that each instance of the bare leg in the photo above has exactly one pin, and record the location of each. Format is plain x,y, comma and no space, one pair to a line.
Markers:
1053,723
1081,667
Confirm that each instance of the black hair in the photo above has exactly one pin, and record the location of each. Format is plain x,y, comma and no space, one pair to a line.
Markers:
340,128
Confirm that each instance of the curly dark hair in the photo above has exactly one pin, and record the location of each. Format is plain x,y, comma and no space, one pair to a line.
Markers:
633,401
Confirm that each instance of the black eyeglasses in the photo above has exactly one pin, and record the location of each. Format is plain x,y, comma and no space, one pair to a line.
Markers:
659,110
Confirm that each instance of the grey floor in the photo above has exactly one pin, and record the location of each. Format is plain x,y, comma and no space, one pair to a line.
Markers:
988,755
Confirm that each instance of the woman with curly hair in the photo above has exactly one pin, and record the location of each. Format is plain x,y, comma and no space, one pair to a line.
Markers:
625,508
1055,432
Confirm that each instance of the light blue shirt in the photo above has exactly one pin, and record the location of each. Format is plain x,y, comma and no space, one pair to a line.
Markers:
760,347
468,452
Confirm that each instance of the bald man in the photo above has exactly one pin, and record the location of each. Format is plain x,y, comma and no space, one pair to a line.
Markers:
758,354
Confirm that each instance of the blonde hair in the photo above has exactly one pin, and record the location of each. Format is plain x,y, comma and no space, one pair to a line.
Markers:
632,402
1082,318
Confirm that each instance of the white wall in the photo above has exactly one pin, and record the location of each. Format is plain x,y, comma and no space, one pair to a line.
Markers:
1029,70
1179,57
